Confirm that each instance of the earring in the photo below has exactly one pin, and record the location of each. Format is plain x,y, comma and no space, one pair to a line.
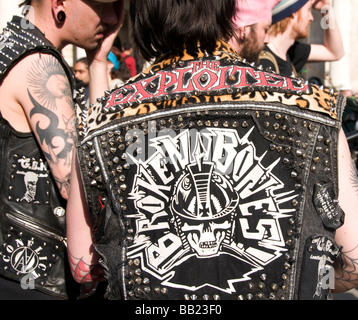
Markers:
61,16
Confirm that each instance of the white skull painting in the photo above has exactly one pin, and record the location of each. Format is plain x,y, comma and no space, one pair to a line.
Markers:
203,205
30,180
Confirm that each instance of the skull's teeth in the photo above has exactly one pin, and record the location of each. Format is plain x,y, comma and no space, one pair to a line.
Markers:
207,244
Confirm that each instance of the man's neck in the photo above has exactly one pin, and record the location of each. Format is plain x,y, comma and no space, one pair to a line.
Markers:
46,26
280,44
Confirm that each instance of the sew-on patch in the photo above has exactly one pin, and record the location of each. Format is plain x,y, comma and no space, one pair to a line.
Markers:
327,206
29,181
317,276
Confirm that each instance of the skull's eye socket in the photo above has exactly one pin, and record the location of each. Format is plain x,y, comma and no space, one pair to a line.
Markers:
186,184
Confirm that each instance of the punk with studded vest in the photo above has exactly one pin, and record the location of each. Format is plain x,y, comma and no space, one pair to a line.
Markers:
32,212
209,178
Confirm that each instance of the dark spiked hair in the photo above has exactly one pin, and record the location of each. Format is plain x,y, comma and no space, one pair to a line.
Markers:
170,26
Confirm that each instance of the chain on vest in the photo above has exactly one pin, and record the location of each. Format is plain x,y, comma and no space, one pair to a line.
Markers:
211,179
32,215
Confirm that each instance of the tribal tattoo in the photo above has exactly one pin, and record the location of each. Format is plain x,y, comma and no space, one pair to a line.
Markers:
52,132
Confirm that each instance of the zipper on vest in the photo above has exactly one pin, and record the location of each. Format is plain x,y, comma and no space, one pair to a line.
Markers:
35,228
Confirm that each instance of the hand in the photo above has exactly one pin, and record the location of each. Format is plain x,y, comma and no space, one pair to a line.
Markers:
320,4
101,52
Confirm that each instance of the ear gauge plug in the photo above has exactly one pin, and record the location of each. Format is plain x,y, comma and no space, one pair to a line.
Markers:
61,16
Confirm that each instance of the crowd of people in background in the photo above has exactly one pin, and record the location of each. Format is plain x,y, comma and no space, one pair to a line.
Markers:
121,66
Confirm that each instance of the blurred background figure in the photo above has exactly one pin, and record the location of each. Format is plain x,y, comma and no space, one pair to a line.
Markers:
82,75
291,20
129,60
251,27
118,73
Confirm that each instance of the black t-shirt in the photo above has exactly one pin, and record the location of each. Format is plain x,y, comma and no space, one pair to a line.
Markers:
297,57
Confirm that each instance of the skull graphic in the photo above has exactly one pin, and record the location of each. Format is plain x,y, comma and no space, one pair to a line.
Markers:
204,205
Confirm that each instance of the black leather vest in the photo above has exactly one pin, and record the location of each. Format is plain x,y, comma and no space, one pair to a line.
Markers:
32,215
211,179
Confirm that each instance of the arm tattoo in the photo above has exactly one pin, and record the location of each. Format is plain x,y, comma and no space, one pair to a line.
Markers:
348,266
51,132
354,177
348,270
48,81
64,184
48,86
83,272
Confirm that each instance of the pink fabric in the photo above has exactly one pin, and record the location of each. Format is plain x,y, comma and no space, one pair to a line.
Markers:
249,12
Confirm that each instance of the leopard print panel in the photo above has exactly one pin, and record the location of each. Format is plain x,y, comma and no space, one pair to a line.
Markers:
203,79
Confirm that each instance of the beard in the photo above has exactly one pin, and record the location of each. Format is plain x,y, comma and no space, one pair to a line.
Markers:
302,34
302,28
251,48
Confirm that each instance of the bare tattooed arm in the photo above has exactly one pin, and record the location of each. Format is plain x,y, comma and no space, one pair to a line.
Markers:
51,114
346,268
82,255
